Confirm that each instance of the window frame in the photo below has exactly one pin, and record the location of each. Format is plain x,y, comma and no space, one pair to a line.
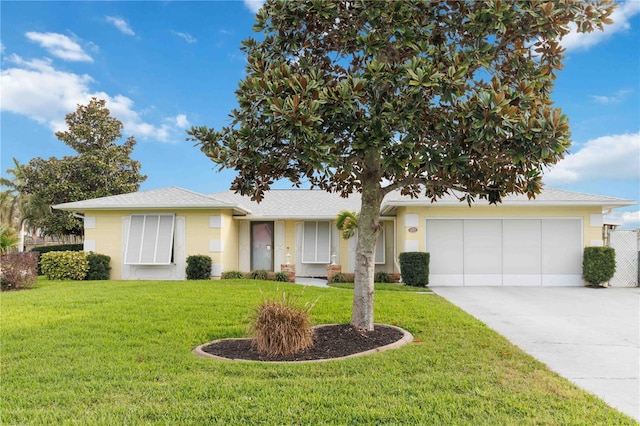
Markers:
160,253
316,258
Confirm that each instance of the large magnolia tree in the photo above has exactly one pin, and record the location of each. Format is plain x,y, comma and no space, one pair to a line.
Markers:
416,96
102,168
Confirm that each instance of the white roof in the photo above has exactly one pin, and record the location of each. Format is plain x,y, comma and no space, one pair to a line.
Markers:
171,197
548,197
313,204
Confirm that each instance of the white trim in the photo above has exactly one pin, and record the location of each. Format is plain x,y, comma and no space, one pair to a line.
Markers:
215,222
382,248
596,220
317,257
410,219
216,269
89,222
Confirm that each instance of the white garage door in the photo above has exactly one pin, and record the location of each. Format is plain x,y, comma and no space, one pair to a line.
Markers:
512,252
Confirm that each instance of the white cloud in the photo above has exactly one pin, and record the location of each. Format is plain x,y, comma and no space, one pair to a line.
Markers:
254,5
629,219
36,89
621,16
186,37
611,99
615,157
120,24
181,121
60,45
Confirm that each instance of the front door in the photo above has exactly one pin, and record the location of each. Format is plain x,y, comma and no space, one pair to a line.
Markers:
262,246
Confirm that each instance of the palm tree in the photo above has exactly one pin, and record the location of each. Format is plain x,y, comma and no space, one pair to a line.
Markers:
347,223
8,239
18,208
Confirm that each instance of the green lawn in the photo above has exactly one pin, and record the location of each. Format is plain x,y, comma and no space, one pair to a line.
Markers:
120,353
385,287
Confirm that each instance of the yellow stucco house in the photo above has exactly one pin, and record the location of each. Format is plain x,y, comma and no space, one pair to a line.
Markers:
521,242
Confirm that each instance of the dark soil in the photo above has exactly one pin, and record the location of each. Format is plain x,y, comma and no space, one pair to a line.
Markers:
330,341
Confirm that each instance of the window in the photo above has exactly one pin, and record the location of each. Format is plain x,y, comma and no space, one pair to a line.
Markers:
149,240
380,247
316,242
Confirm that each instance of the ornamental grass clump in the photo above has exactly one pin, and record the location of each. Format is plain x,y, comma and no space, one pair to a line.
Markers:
282,326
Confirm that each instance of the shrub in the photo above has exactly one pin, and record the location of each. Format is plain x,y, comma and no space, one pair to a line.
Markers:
281,327
598,264
259,274
64,265
99,268
282,277
339,278
60,247
18,271
232,275
382,277
198,267
414,268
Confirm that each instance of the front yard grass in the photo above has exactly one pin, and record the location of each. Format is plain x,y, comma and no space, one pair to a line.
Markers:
108,352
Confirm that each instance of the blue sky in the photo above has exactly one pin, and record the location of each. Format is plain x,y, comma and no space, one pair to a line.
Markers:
164,66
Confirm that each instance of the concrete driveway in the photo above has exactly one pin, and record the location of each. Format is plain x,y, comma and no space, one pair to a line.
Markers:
590,336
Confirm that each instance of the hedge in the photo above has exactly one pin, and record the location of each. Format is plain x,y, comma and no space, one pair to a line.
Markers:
598,265
64,265
414,268
60,247
198,267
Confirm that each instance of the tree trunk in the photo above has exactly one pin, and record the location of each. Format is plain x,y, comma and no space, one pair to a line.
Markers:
368,228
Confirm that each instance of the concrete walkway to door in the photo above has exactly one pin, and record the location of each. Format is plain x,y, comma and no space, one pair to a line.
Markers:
590,336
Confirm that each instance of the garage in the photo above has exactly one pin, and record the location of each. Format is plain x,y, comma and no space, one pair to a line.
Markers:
509,252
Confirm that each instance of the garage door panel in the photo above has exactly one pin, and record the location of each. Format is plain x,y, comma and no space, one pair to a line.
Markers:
522,242
445,245
482,247
561,247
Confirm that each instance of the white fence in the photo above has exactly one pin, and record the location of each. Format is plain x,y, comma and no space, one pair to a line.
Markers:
627,247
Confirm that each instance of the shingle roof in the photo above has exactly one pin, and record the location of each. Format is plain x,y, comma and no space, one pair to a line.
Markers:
171,197
294,203
548,197
312,204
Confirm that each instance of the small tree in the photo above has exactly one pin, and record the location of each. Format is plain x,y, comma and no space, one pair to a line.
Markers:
347,223
417,96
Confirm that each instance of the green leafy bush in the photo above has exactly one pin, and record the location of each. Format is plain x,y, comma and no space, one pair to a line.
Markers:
18,271
232,275
339,278
198,267
99,268
382,277
282,277
60,247
259,274
414,268
64,265
282,326
598,264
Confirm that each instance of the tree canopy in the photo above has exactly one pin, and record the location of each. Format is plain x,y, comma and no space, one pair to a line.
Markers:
101,168
420,97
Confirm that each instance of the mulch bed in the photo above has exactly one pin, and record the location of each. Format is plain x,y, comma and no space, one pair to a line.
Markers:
330,341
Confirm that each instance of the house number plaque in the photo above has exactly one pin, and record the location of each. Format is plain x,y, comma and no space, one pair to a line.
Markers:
413,230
